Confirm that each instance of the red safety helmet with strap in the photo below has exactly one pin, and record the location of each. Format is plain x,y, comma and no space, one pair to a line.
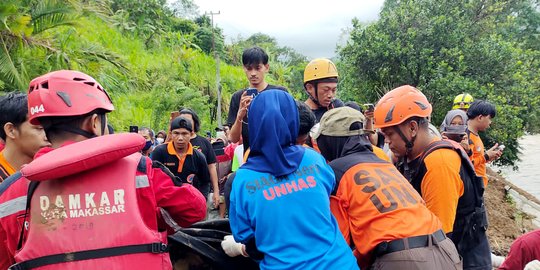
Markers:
67,93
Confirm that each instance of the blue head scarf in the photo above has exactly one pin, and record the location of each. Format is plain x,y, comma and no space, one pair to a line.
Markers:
273,127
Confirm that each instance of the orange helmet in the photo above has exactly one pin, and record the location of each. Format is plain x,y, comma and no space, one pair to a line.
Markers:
399,105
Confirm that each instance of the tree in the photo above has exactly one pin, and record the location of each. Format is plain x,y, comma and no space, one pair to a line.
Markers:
286,64
186,9
208,38
152,17
445,48
144,55
22,28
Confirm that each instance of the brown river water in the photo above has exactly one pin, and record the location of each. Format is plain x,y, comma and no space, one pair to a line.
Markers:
527,177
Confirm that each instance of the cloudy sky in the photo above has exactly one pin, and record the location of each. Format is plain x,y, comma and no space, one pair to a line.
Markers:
312,27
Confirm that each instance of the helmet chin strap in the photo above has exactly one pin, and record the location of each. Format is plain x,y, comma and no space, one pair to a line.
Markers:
408,145
77,131
83,132
102,119
316,98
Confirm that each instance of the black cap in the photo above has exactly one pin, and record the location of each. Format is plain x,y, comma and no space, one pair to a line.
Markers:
181,122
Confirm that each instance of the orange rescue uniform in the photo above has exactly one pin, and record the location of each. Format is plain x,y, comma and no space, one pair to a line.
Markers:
442,186
478,156
375,203
380,153
5,168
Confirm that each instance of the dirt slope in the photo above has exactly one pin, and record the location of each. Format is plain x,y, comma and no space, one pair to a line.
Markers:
506,223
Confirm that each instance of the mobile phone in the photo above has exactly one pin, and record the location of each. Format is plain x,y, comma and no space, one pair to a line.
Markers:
134,129
368,107
501,147
208,134
252,92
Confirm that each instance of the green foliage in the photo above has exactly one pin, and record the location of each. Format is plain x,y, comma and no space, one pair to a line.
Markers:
150,108
206,38
50,14
150,61
185,9
286,65
22,28
448,47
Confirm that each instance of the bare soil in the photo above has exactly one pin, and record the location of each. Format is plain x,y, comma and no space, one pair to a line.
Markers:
506,222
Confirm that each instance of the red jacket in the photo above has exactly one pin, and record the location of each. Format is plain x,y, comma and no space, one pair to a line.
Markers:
185,205
524,250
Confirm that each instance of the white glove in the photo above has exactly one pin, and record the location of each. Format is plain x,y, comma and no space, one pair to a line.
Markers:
496,261
232,248
532,265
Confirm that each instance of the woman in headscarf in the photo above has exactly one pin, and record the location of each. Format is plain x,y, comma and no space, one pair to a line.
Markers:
280,199
454,127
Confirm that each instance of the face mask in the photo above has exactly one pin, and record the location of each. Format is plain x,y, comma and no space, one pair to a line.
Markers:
160,140
147,145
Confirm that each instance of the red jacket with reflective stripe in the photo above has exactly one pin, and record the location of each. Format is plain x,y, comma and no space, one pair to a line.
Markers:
185,205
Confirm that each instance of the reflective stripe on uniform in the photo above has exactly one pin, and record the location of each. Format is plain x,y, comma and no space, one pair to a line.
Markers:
141,181
12,206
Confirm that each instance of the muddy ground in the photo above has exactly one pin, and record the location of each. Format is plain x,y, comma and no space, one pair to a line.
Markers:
506,223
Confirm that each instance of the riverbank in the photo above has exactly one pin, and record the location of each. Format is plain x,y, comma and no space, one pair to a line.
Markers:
506,219
528,175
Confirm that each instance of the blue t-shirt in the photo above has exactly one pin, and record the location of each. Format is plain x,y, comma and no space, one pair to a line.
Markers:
290,217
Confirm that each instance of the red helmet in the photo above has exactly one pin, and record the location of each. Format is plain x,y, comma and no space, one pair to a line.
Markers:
65,93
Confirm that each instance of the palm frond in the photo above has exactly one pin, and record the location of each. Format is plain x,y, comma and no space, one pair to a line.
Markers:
99,8
49,14
97,53
8,68
7,11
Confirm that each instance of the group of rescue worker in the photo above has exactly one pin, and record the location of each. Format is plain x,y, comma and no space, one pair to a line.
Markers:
316,188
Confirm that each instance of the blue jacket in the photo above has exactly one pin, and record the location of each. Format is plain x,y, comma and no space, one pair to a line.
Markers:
290,217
